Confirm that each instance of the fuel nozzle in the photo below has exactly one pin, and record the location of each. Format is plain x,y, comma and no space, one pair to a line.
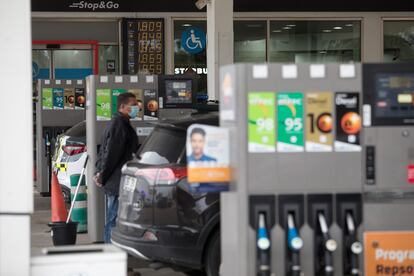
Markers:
47,144
326,248
353,247
295,244
263,247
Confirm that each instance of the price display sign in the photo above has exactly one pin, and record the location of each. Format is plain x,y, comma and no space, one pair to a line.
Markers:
69,98
80,98
143,41
115,94
47,98
319,122
290,122
348,122
103,104
261,122
58,98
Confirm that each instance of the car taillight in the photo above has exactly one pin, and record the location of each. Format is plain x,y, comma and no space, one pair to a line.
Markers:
74,149
163,176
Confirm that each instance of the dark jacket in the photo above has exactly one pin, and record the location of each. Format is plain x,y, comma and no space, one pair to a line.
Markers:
119,142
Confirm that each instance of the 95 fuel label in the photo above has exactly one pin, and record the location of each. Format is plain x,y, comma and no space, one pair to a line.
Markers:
389,253
261,122
58,98
290,122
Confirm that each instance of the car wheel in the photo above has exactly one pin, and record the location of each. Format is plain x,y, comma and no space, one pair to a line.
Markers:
212,257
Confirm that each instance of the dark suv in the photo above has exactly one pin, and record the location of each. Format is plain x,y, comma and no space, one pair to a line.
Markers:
161,216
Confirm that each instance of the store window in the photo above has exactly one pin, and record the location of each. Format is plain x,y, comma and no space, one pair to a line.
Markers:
72,64
190,53
108,59
250,41
315,41
41,63
398,41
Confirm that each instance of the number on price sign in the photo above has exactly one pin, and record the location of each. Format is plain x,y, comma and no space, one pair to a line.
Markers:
261,122
290,122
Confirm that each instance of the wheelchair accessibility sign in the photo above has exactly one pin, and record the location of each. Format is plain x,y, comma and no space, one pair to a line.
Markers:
193,40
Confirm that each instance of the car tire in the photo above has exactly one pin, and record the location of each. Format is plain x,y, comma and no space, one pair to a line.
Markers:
212,258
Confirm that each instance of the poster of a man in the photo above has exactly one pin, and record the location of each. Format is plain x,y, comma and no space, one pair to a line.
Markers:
198,142
208,155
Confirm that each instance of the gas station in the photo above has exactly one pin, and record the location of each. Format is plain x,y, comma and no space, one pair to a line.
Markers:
274,138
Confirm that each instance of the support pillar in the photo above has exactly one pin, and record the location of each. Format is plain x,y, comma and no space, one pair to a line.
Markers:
16,139
219,42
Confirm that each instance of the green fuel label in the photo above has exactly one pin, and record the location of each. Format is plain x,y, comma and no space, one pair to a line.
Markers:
58,98
115,94
290,122
103,104
261,122
47,98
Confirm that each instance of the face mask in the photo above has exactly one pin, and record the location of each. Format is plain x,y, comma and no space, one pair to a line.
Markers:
134,111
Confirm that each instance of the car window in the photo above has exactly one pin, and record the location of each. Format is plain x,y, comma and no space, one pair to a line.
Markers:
78,130
163,146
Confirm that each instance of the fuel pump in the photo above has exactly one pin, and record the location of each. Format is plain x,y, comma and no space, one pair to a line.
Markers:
48,156
263,247
353,247
349,218
291,219
262,219
295,243
320,218
325,247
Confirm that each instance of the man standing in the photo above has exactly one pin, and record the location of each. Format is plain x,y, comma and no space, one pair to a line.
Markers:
119,142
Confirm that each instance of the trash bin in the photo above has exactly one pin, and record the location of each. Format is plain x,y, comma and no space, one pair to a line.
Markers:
63,233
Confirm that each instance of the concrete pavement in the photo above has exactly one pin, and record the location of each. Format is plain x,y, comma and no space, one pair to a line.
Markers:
40,238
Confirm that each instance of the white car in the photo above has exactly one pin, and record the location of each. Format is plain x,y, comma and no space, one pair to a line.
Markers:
69,156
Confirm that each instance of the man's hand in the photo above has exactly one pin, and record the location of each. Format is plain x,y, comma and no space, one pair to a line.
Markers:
97,179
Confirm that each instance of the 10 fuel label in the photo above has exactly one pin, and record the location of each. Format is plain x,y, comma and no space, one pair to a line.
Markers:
290,122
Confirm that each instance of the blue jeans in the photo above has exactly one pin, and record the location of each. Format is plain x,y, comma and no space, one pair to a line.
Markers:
111,214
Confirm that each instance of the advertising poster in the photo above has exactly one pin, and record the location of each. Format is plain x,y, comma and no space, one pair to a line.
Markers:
47,98
208,154
389,253
348,122
80,98
261,122
58,98
69,98
139,94
151,105
115,94
319,122
103,104
290,122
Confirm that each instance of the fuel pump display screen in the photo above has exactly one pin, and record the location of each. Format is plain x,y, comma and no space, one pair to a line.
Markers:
394,95
178,92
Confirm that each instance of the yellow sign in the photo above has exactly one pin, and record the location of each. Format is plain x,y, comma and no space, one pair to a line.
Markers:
389,253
